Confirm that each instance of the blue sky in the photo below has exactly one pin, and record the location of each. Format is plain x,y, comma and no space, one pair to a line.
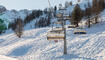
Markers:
29,4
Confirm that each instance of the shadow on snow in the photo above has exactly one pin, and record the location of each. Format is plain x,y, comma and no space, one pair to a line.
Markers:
72,56
20,51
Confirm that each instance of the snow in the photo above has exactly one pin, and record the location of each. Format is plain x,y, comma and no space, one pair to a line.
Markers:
6,58
34,44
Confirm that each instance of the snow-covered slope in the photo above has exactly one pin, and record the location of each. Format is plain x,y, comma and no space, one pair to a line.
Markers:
10,15
34,45
6,58
82,4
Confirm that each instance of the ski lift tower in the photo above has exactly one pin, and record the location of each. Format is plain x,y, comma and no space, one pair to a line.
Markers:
61,18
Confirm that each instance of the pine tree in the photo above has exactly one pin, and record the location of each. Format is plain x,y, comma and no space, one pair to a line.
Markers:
95,7
2,26
88,13
48,21
104,4
55,9
76,15
71,3
88,10
101,5
19,27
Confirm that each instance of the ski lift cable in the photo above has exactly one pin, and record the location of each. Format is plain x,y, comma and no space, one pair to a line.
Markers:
52,15
49,3
50,8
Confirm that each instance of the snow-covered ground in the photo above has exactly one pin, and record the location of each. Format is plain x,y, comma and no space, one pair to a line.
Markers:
6,58
34,45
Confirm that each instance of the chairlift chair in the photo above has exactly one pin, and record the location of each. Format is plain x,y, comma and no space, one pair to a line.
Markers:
72,26
79,31
55,36
58,29
59,22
